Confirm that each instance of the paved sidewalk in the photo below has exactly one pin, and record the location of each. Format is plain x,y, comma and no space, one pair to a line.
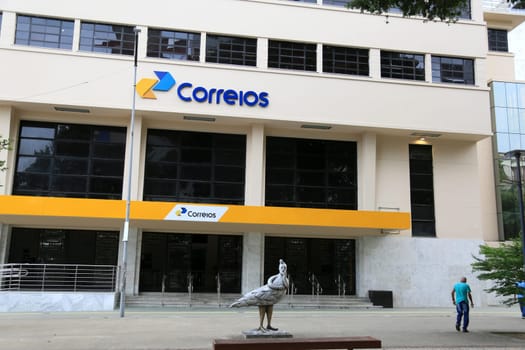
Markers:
154,329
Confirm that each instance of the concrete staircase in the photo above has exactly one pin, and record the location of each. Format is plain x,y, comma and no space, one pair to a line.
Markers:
212,301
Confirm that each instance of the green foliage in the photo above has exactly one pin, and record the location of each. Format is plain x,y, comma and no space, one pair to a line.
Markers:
5,145
443,10
503,265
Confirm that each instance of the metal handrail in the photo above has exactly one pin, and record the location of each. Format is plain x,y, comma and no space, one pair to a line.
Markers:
58,277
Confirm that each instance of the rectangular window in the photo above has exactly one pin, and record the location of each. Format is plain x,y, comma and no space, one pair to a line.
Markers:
291,55
341,3
195,167
452,70
400,65
59,246
311,173
422,191
70,160
498,40
345,60
231,50
174,45
44,32
462,12
107,38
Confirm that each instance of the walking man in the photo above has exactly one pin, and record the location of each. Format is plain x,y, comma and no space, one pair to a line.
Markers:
461,294
521,297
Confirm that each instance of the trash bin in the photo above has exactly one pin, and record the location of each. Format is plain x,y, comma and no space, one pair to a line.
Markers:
382,298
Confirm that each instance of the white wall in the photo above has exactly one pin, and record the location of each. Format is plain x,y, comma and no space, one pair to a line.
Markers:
420,272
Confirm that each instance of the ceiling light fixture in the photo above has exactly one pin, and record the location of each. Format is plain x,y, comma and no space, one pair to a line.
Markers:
316,126
199,119
71,109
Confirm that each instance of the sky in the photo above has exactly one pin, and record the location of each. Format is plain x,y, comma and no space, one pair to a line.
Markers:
517,46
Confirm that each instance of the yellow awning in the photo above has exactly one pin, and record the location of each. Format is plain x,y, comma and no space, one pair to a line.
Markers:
102,213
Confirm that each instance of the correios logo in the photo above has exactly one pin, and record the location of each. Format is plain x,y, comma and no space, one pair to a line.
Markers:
187,92
196,213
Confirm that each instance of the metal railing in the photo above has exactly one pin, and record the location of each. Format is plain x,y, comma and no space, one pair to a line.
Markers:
58,277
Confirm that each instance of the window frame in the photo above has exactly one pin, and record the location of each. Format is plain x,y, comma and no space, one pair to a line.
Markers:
93,32
453,75
346,60
225,49
196,167
498,40
292,55
155,45
401,66
37,31
85,160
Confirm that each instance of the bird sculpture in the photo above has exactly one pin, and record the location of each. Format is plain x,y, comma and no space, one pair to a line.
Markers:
266,296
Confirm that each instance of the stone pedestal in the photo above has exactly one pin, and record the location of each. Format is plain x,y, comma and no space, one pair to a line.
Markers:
258,334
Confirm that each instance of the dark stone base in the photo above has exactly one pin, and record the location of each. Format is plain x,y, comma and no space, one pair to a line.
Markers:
256,333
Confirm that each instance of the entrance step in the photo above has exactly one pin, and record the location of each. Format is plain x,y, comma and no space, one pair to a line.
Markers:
209,300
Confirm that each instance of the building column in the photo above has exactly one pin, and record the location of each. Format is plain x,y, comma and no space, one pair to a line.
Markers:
253,242
375,63
6,132
366,168
252,261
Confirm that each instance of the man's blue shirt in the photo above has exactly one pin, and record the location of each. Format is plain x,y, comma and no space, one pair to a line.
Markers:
521,287
462,289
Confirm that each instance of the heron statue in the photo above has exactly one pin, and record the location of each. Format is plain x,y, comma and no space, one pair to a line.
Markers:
266,296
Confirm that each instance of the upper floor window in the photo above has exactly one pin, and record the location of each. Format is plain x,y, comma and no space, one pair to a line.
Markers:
341,3
463,12
291,55
452,70
44,32
174,45
311,173
70,160
422,191
194,167
107,38
345,60
231,50
400,65
0,21
498,40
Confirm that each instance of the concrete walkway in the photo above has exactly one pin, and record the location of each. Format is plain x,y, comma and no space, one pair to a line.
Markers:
491,328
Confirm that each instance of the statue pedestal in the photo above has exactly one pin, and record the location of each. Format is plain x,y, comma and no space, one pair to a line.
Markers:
258,334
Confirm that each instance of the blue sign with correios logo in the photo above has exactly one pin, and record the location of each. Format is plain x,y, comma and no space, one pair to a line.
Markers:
187,92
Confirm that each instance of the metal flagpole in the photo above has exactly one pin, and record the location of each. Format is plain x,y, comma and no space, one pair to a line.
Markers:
125,233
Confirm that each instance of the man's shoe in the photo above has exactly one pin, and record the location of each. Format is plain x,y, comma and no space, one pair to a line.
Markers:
457,327
465,331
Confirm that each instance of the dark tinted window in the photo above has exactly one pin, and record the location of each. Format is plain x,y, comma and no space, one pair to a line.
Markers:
195,167
311,173
231,50
44,32
498,40
345,60
452,70
400,65
70,160
58,246
291,55
173,45
422,190
107,38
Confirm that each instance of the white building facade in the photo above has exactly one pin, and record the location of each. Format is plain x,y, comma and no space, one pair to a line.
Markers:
356,147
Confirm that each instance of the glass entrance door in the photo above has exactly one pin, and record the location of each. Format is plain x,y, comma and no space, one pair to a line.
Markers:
327,262
173,260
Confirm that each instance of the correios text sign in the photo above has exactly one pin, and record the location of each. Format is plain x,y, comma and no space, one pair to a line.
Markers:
188,92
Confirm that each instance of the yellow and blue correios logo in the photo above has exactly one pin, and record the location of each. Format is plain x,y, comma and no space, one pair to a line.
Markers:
189,93
146,86
181,211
